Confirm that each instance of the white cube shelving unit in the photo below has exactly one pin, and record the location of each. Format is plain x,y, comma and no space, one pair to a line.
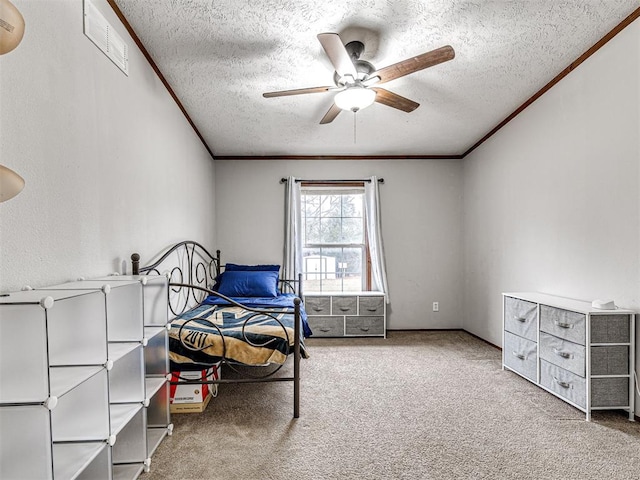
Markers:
83,380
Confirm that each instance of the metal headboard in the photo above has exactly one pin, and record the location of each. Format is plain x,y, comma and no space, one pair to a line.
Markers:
187,262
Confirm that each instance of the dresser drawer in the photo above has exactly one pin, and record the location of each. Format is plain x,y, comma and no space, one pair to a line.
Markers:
610,392
326,326
371,305
610,328
605,392
521,318
565,354
563,323
521,355
317,305
344,305
364,325
613,360
564,383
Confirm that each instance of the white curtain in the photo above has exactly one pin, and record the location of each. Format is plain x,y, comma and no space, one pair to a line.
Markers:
292,264
374,234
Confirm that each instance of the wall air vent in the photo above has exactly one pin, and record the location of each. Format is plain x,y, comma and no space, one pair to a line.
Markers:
105,37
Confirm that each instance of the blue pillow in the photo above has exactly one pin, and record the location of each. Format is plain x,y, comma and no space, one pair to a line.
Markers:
234,267
249,283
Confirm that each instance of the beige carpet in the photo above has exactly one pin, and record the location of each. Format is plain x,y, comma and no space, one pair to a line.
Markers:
417,405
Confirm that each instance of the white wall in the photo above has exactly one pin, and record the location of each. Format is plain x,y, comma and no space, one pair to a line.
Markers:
551,202
110,163
421,217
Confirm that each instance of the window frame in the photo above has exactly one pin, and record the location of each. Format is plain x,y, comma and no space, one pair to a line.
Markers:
366,258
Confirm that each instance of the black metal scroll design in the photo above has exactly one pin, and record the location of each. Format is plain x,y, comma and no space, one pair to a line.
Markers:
188,263
254,313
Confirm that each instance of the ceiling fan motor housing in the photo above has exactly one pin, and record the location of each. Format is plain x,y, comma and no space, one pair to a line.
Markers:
364,68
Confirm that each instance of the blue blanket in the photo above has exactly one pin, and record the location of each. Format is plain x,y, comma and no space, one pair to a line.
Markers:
216,329
284,300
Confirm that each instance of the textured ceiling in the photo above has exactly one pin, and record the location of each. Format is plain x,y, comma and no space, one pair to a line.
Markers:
219,56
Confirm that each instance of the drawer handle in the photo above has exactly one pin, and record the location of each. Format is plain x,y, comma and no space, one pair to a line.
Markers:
344,309
520,319
364,329
562,354
563,325
519,355
561,383
324,329
317,309
372,309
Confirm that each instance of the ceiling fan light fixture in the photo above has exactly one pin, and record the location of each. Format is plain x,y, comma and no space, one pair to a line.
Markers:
355,98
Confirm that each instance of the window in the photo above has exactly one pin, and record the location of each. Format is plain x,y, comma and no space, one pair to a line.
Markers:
334,253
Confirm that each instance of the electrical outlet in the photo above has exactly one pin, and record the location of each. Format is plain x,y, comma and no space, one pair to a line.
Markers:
436,306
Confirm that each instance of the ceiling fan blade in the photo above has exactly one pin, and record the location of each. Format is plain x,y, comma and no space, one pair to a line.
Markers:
414,64
338,55
331,115
394,100
299,91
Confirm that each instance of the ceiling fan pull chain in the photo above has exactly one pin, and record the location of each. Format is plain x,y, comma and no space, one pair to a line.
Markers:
354,127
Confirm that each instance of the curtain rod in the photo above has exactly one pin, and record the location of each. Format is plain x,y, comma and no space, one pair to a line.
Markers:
368,180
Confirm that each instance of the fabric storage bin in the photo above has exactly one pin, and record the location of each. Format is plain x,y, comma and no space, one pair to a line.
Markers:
317,305
521,318
610,392
565,354
610,329
364,325
326,326
370,305
344,305
563,323
564,383
521,355
610,360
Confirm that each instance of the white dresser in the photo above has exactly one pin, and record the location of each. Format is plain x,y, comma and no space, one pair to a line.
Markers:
343,314
583,355
76,363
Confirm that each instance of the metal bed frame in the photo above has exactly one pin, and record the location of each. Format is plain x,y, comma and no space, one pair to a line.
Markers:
192,271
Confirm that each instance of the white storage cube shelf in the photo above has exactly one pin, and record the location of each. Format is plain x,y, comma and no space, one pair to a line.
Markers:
156,361
123,304
126,377
128,424
74,401
155,294
158,414
42,329
156,358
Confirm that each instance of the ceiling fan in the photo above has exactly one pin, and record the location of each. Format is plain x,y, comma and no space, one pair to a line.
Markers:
355,79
